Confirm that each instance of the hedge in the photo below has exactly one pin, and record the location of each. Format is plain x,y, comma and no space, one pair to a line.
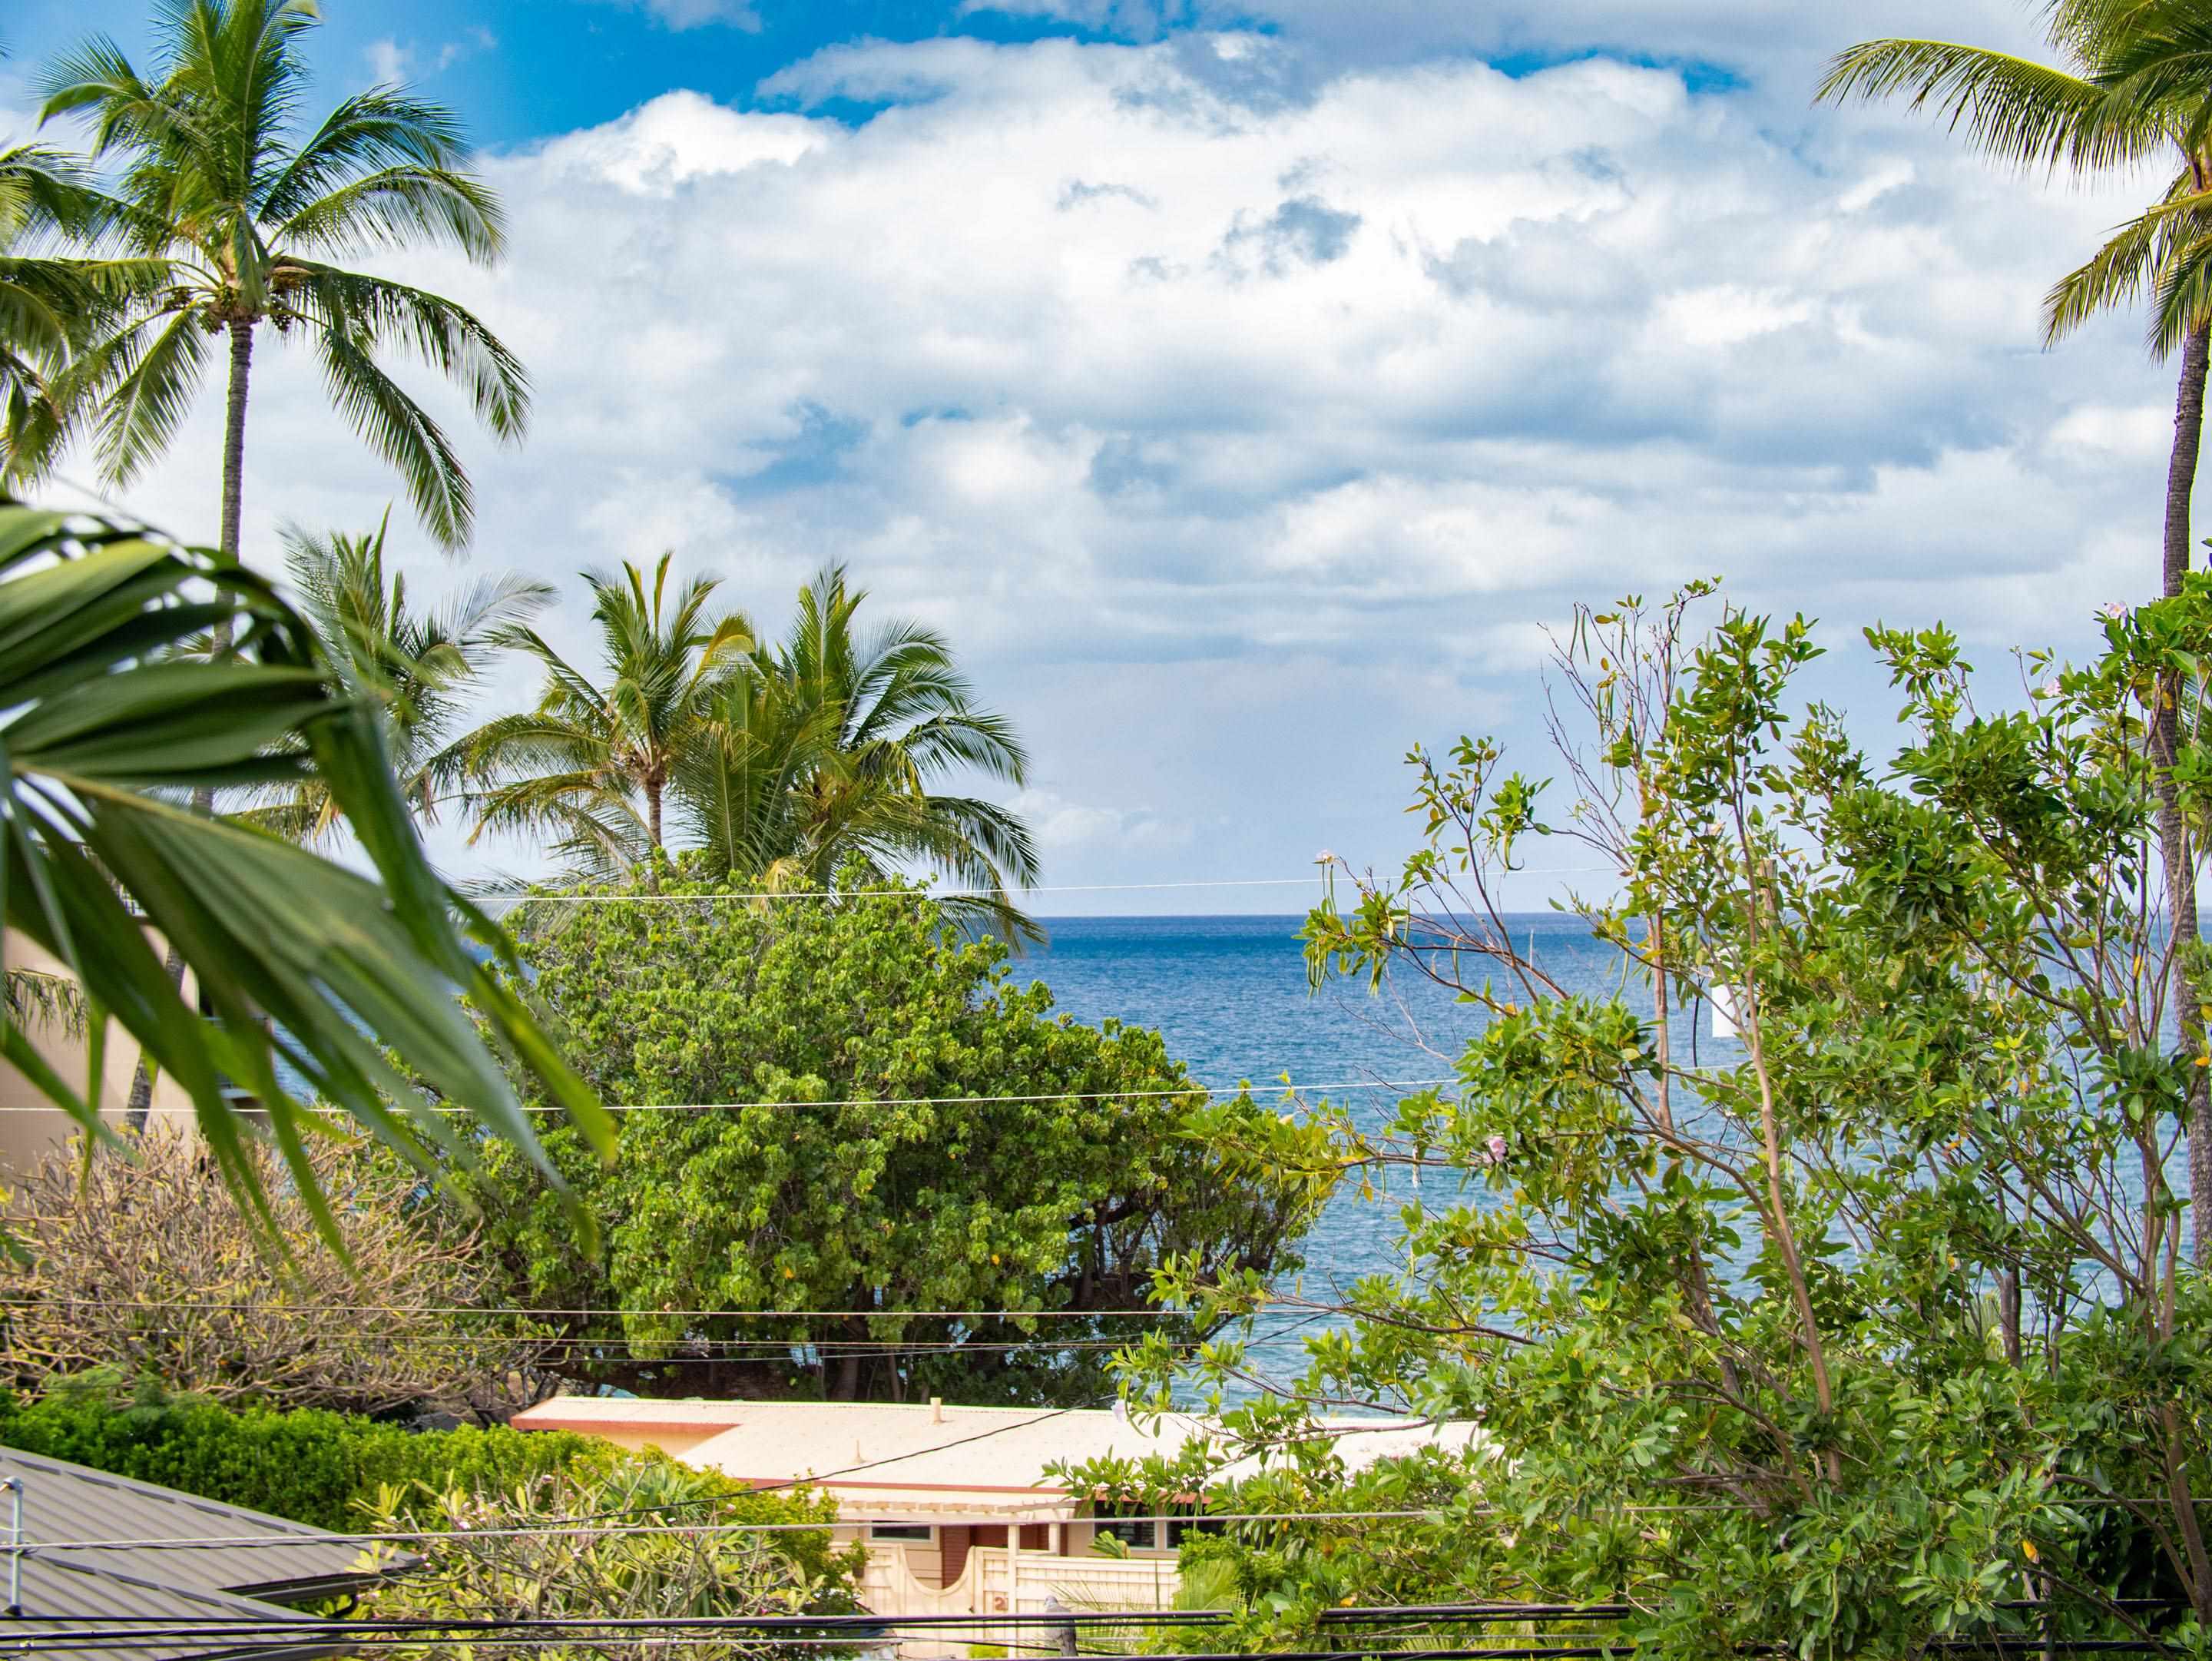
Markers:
318,1467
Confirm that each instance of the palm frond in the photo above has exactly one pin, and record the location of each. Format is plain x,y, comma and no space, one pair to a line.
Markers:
2010,108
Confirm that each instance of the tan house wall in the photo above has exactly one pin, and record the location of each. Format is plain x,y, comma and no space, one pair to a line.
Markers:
31,1126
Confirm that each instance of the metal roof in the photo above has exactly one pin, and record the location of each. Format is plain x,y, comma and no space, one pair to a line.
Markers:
79,1599
64,1501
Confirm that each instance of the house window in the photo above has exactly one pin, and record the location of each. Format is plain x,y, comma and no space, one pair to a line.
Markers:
1142,1534
1183,1528
915,1533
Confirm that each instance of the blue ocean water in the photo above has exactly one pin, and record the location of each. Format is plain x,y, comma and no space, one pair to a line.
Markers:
1230,995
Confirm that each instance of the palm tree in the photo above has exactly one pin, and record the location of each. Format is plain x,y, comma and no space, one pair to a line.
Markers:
828,748
2118,103
589,766
414,668
2137,88
300,960
50,303
245,217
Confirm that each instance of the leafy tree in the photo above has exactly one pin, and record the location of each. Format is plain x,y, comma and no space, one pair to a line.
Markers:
129,1264
820,1171
2136,91
415,668
246,216
589,766
495,1555
335,971
824,749
1868,1330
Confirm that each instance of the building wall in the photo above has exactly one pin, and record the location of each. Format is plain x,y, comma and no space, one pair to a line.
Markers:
30,1125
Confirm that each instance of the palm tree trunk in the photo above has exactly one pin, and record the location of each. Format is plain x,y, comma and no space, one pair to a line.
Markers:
2180,858
234,498
653,790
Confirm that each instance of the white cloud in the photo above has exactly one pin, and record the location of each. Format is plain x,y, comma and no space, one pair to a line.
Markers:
1271,449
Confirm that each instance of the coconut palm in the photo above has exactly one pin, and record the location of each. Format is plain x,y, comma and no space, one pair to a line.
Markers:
50,303
835,742
345,977
589,768
2120,99
415,668
247,215
2136,86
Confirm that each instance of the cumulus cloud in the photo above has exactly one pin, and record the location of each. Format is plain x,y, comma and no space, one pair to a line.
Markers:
1239,439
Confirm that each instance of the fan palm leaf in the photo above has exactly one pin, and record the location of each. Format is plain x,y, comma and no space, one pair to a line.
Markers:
331,972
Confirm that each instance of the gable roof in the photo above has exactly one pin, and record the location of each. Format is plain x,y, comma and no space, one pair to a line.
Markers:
883,1459
250,1556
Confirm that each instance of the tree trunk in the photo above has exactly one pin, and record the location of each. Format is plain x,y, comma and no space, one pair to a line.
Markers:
2180,858
653,790
233,496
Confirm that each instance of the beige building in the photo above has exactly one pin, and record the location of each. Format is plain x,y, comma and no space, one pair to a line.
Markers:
956,1505
30,1125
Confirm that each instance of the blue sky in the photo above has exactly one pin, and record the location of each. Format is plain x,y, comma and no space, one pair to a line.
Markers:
1245,392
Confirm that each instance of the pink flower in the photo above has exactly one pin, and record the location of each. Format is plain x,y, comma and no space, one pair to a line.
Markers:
2051,689
1497,1149
2113,608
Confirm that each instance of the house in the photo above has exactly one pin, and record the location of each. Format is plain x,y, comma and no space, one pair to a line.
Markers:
956,1505
255,1568
30,1124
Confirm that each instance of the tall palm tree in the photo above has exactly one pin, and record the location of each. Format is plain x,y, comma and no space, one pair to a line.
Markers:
589,766
414,668
829,747
246,214
2136,86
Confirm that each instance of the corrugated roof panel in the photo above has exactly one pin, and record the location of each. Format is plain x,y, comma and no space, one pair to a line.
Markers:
60,1588
66,1501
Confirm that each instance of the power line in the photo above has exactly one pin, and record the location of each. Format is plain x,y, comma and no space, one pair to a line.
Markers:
551,1311
1179,1093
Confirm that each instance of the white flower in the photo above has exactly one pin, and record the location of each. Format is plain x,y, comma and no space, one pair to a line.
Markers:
1324,858
2051,689
2113,608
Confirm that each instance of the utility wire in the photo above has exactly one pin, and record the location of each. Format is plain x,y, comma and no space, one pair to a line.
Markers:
1180,1092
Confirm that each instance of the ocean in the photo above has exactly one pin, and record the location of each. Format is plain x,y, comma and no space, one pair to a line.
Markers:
1230,996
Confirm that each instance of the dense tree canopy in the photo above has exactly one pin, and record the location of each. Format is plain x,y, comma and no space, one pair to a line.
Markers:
1871,1327
1058,1178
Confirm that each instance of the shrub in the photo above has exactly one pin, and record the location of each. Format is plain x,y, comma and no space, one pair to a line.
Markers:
149,1264
334,1471
481,1564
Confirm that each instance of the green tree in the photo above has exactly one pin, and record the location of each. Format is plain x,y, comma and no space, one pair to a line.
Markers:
589,766
819,1171
514,1554
1867,1329
335,971
416,669
824,748
246,214
50,301
2138,89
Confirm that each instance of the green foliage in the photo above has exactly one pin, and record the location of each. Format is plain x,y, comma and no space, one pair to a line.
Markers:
412,667
293,954
483,1562
786,761
1850,1335
334,1471
891,1203
2132,90
241,214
